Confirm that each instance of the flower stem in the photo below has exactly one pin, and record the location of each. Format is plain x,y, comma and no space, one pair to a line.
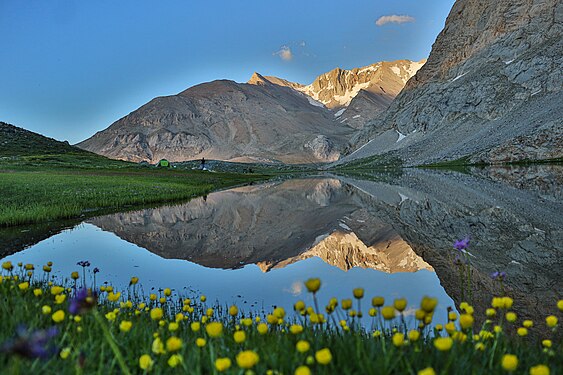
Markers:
112,344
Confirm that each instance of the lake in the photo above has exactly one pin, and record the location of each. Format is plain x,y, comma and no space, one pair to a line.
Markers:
391,233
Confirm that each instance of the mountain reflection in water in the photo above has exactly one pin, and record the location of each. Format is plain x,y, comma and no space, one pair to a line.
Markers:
255,245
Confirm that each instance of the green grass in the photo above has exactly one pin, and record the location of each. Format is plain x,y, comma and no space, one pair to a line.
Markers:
36,195
375,163
42,179
97,345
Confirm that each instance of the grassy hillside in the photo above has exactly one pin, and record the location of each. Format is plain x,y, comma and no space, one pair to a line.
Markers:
42,179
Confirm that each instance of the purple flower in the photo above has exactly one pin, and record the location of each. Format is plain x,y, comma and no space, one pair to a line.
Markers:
33,344
84,263
83,301
461,244
96,270
498,276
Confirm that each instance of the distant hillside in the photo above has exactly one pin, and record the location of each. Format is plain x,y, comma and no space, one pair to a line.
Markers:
16,141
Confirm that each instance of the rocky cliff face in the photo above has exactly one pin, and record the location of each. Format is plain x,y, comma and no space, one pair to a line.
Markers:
227,121
490,90
356,95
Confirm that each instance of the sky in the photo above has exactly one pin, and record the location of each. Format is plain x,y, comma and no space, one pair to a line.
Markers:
70,68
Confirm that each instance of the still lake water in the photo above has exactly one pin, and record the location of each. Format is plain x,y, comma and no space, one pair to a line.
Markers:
391,234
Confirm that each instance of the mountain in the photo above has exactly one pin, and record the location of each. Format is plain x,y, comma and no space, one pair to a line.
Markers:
228,121
267,119
356,95
489,92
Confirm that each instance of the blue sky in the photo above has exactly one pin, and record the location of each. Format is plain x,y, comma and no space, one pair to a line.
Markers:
71,68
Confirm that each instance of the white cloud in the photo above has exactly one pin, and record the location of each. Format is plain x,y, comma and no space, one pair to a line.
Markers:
393,19
284,53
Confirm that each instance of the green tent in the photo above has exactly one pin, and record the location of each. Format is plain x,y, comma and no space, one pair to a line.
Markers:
164,163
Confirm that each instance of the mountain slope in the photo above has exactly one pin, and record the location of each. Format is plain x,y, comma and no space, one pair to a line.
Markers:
490,91
228,121
15,141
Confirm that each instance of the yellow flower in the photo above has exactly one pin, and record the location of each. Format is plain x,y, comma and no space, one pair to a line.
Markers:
560,305
111,316
77,319
222,364
162,300
156,313
262,328
439,327
414,335
167,292
452,316
511,316
313,285
239,337
247,359
175,360
528,323
522,331
125,326
388,312
195,326
400,304
145,362
551,321
346,304
539,370
427,371
299,306
323,356
112,297
214,329
46,309
173,344
65,352
152,297
358,293
296,329
302,370
173,326
57,290
23,286
377,301
302,346
74,275
200,342
546,343
490,312
443,344
134,280
398,339
480,346
459,336
247,322
509,362
158,346
428,304
279,312
47,269
60,298
209,312
465,321
7,266
502,302
497,329
203,298
58,316
233,310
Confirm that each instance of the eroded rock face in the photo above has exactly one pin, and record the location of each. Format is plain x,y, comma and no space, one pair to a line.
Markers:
227,121
491,89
